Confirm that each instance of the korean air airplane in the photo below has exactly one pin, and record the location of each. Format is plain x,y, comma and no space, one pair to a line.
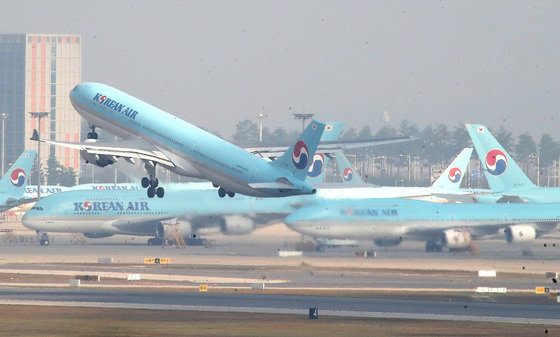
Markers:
158,138
346,170
506,179
389,221
101,212
12,184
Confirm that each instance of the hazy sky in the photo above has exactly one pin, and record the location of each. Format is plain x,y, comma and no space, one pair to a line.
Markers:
214,63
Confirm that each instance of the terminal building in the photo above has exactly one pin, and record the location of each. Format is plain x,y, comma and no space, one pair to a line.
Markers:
37,72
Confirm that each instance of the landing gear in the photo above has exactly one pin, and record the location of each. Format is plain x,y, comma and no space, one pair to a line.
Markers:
151,182
222,193
44,239
92,134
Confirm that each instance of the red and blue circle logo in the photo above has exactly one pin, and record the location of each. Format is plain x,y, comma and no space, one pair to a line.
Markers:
317,165
347,174
496,162
88,206
454,175
17,177
102,99
300,155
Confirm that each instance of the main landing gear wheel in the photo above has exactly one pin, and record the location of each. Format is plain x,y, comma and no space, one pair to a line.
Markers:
151,182
145,182
221,192
160,192
231,194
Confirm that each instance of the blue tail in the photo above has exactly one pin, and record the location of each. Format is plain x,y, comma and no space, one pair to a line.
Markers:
452,177
501,171
346,170
332,131
318,169
298,157
13,183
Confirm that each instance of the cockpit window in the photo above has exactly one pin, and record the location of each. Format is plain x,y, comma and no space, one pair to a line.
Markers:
37,208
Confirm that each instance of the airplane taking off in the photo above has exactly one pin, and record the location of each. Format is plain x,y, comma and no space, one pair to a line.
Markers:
157,137
389,221
506,179
13,183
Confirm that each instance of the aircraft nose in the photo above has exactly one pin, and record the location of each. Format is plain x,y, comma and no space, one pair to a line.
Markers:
31,221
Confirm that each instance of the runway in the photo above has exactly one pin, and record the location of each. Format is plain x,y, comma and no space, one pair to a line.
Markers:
401,282
288,304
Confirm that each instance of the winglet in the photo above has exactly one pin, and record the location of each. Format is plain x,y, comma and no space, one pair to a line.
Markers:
298,157
35,135
452,177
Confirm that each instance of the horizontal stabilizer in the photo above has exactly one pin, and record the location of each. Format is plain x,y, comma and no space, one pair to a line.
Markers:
272,184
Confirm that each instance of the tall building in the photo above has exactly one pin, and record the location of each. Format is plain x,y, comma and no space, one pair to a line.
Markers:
37,72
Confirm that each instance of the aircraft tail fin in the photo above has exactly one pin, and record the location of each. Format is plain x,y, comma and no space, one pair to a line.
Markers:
501,171
332,131
452,177
14,181
298,157
318,169
346,170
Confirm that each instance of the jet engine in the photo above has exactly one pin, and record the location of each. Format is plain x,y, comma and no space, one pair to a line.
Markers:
97,160
456,238
237,225
97,235
520,233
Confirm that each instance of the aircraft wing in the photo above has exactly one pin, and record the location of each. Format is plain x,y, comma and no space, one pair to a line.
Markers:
426,233
140,225
129,149
330,146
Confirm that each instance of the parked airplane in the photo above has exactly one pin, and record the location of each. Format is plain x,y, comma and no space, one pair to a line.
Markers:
157,137
507,181
195,204
31,190
12,184
101,213
389,221
346,170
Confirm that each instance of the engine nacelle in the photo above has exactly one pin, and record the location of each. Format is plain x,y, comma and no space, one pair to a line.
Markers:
97,235
97,160
520,233
456,238
237,225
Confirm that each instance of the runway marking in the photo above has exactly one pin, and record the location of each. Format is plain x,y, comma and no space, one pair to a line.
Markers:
145,276
261,310
136,284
